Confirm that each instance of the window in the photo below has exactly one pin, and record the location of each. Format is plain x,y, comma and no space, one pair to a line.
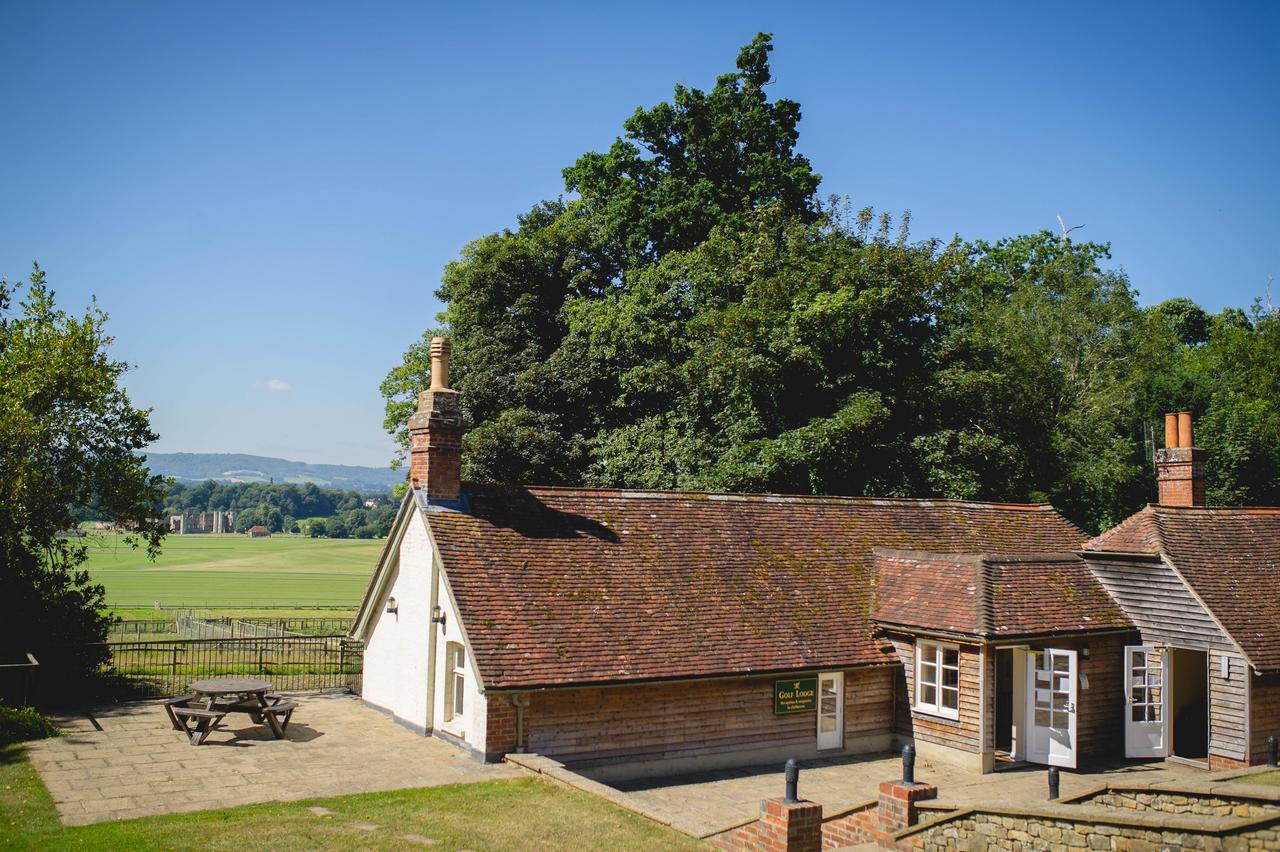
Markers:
938,679
455,660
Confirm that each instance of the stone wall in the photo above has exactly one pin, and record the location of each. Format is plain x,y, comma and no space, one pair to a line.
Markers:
1181,803
985,830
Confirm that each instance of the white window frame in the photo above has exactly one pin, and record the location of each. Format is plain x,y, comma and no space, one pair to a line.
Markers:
932,653
455,687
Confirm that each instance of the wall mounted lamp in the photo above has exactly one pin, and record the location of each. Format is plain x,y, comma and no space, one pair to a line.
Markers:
392,606
437,615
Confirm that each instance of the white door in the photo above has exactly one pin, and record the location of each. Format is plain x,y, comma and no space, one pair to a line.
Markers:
1147,700
1051,707
831,710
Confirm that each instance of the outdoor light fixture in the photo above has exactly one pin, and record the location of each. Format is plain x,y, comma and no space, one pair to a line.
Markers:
437,615
392,606
1084,653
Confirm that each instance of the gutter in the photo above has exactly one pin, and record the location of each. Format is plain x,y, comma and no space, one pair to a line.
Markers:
606,684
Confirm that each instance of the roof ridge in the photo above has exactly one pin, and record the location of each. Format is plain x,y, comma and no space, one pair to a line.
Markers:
657,493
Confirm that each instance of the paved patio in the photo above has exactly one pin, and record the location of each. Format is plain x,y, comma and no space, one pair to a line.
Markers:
708,803
126,760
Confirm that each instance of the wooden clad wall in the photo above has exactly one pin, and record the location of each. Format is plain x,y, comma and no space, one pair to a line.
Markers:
1166,613
1159,604
1228,706
962,733
587,727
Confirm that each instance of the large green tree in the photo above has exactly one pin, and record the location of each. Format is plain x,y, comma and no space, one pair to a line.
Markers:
694,318
69,437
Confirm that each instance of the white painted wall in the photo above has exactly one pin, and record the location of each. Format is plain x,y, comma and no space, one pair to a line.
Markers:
471,725
396,647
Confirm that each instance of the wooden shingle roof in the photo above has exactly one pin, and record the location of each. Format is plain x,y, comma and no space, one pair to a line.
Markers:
573,586
1229,557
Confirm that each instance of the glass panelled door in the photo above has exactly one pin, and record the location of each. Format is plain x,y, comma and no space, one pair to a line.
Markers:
1051,707
830,710
1145,694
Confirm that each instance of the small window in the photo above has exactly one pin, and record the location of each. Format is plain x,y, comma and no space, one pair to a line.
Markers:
455,657
938,679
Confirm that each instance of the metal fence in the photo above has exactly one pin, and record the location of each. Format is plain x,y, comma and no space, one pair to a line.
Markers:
190,627
17,681
144,627
293,663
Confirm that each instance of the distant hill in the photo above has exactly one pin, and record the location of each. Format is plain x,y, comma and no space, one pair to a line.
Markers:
237,467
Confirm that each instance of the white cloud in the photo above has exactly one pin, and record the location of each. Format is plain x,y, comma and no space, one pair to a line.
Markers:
277,385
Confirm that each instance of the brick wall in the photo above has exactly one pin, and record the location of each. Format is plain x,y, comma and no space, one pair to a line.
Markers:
500,729
588,727
1264,715
801,827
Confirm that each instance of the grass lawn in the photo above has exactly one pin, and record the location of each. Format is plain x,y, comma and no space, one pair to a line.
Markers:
523,814
1272,778
234,570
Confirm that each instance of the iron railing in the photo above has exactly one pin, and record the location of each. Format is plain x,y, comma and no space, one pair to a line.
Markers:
291,663
17,681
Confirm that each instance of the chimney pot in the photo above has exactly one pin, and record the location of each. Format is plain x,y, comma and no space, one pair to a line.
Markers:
1184,429
440,348
1180,465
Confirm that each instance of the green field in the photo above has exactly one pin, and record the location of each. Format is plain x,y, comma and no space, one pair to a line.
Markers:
234,571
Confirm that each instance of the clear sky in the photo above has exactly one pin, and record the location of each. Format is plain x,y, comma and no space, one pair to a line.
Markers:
263,195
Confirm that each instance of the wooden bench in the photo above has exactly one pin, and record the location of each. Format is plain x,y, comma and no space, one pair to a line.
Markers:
171,703
205,721
280,713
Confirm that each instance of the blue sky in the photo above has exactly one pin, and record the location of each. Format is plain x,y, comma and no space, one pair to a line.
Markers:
263,195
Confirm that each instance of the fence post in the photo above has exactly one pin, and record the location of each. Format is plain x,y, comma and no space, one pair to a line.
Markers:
260,649
173,663
342,663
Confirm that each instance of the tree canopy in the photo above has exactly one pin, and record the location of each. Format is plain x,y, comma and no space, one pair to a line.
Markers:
694,316
69,437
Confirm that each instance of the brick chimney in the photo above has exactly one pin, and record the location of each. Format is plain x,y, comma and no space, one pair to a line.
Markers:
1180,465
435,433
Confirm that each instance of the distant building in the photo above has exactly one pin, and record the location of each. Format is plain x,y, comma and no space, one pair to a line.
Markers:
192,521
373,503
259,532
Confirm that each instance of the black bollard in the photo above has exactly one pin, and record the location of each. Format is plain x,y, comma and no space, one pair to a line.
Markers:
908,764
791,771
1053,782
1273,751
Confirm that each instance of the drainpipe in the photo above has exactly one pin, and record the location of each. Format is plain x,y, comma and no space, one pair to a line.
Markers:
520,702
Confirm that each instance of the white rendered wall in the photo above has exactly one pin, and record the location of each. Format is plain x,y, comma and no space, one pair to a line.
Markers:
395,656
470,727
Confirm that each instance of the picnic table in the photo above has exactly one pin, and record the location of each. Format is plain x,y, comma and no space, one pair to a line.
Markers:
222,695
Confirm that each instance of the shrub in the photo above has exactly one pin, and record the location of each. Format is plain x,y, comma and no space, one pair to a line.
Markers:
19,724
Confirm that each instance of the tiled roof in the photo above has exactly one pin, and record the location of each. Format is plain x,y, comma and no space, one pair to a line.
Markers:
992,595
1229,557
560,586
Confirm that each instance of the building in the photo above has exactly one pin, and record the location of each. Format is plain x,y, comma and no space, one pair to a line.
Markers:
192,521
640,631
258,531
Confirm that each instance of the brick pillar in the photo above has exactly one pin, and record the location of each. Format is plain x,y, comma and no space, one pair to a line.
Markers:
790,827
897,807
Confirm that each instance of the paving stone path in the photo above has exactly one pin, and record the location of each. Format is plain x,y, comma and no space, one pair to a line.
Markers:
707,803
126,761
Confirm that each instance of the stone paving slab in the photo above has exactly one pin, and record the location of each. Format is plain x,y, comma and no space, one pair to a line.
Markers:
708,803
126,761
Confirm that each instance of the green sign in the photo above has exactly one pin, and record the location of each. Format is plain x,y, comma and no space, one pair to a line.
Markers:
798,695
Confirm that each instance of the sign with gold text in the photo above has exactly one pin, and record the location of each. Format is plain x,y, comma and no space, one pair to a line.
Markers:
798,695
